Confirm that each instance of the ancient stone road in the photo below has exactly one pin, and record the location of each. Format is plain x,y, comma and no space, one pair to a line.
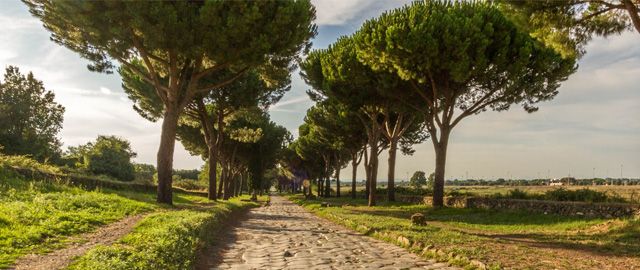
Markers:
286,236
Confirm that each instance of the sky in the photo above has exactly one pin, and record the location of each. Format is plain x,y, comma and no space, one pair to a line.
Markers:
591,128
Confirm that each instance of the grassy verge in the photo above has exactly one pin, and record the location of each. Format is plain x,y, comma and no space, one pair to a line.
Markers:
498,239
39,216
165,240
36,216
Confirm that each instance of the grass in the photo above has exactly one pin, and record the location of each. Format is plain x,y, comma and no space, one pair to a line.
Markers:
39,216
498,238
36,216
166,240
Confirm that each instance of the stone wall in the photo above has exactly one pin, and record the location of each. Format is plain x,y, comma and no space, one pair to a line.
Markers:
601,210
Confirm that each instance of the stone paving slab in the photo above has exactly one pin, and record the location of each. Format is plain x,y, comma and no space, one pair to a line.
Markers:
286,236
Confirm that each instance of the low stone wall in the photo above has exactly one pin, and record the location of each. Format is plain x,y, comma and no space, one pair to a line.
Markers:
601,210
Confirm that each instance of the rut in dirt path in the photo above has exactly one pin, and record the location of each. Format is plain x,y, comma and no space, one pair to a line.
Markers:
286,236
82,243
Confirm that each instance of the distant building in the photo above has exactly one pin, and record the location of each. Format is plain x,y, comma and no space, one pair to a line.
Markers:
565,181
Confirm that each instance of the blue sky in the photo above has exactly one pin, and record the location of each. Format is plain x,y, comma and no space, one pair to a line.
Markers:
593,123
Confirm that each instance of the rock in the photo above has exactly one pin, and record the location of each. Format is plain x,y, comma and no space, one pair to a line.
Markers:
287,254
324,204
478,264
418,219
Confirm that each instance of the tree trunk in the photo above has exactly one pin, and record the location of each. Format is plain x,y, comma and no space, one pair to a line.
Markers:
338,181
327,187
391,192
225,179
165,154
634,14
441,162
367,171
354,172
373,164
319,184
241,183
213,166
221,183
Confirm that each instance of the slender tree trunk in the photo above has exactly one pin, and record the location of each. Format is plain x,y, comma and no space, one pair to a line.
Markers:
441,162
367,171
319,184
165,154
241,183
213,164
221,182
354,172
224,177
327,187
391,192
338,181
373,164
220,117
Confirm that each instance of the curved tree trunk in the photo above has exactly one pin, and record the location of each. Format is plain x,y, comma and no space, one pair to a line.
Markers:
165,154
327,187
391,192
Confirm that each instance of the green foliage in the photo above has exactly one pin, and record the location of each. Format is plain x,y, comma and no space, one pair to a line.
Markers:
144,172
188,174
418,179
569,25
108,155
38,215
27,163
30,119
166,240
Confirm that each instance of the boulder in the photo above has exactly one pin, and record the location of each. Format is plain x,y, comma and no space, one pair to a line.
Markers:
324,204
418,219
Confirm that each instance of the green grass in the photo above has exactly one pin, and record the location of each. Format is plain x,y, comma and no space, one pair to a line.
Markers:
36,216
497,238
167,240
39,216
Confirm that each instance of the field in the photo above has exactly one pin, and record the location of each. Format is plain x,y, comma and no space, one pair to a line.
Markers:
499,239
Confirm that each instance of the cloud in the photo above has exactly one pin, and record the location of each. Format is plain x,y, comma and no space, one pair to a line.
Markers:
340,12
298,100
105,90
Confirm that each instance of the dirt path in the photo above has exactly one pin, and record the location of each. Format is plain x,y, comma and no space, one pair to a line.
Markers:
286,236
81,243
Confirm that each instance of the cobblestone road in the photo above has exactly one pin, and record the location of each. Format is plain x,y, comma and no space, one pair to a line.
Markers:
286,236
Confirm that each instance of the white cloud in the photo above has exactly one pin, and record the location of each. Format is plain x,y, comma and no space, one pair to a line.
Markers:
105,90
339,12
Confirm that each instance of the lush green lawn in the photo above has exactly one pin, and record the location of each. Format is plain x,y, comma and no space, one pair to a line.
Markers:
500,239
164,240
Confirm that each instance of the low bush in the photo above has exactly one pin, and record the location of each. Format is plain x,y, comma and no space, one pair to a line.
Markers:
27,163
